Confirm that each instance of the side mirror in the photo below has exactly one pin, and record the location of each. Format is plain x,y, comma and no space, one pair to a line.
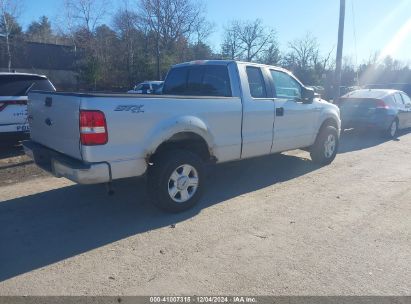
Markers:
307,95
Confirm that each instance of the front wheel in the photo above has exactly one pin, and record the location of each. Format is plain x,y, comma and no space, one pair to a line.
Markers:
325,148
175,181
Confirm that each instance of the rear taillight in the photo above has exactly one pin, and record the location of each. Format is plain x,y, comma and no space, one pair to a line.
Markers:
4,104
380,104
93,128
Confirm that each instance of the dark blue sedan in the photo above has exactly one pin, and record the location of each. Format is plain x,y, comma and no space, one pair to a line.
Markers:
384,110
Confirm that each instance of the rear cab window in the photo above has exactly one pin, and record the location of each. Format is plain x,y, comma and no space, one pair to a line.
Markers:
16,85
198,80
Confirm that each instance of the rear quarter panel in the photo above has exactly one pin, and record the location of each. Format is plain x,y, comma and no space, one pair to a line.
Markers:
135,134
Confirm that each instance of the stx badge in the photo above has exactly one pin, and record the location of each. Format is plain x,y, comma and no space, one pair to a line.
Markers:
130,108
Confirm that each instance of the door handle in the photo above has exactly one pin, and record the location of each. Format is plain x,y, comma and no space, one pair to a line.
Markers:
279,111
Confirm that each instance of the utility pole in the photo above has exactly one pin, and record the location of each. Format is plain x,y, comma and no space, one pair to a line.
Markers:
337,76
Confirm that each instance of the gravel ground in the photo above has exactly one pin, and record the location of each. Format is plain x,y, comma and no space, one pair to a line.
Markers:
276,225
16,167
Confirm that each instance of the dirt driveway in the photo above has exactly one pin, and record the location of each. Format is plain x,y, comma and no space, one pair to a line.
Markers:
277,225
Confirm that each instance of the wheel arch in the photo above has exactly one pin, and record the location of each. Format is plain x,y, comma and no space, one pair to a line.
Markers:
188,133
329,121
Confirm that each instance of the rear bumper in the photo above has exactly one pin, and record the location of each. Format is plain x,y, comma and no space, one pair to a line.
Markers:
63,166
377,124
14,136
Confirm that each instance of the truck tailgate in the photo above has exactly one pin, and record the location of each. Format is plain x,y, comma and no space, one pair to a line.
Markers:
54,121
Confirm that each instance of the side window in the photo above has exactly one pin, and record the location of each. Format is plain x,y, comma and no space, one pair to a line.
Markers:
397,98
407,100
285,86
391,99
155,86
256,82
146,86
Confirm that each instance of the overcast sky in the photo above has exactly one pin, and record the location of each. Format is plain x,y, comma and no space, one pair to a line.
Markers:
383,25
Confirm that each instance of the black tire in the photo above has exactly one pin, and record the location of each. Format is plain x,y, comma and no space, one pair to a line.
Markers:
159,179
319,153
389,133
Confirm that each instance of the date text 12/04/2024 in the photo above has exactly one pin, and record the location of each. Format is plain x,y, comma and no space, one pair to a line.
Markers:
203,299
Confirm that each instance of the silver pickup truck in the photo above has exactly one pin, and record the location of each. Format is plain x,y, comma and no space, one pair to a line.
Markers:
210,111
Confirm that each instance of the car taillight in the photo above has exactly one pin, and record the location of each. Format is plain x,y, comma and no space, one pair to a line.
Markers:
4,104
381,105
93,128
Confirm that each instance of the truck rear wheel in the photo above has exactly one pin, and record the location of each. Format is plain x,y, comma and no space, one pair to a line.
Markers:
176,180
325,148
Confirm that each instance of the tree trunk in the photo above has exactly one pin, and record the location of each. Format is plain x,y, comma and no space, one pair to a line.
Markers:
7,35
8,52
158,60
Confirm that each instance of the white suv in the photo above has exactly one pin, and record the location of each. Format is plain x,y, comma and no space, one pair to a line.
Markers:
14,88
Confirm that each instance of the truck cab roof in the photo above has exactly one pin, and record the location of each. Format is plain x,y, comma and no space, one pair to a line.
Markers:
227,62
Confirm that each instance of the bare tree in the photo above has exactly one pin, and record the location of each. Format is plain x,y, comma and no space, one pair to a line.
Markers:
9,12
303,52
81,17
305,60
202,29
231,46
325,62
254,37
271,55
79,22
168,21
85,14
248,39
125,23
